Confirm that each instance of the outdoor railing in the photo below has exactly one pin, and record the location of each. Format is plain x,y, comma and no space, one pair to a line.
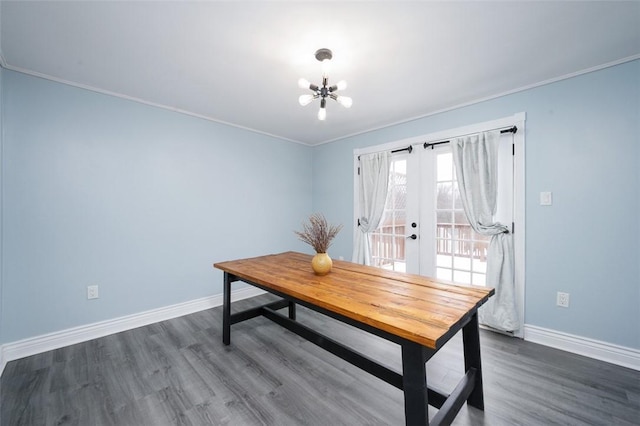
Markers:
451,239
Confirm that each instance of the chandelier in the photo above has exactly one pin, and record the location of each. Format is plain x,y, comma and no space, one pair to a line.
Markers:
324,91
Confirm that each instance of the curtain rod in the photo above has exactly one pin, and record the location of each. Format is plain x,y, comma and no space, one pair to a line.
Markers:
426,145
409,148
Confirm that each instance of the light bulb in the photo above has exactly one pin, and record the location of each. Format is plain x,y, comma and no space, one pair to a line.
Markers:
341,85
305,99
303,83
322,114
345,101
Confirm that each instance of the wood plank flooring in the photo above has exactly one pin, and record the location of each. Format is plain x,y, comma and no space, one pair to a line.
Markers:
178,372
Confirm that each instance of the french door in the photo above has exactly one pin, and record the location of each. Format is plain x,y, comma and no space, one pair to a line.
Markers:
449,248
424,229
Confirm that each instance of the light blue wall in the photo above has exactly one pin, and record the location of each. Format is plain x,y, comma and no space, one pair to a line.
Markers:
139,200
583,144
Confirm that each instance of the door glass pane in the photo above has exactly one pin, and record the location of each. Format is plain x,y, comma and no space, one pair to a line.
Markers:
444,167
443,274
461,277
398,192
462,262
444,260
479,279
444,232
444,217
460,217
480,257
445,196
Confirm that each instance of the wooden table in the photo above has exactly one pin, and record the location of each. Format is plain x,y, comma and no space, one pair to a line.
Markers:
418,313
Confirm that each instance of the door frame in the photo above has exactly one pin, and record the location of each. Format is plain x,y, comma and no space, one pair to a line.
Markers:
519,196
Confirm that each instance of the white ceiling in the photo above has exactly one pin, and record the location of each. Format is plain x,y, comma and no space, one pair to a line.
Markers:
238,62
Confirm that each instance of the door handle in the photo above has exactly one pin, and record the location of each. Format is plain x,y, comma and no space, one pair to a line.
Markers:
412,236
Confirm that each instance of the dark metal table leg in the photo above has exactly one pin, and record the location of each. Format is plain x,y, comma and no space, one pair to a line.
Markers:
292,310
471,342
414,382
226,310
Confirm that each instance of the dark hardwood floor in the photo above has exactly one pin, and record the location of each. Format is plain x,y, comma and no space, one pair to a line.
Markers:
178,372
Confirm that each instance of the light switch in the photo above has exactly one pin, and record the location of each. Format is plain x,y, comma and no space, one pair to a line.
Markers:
546,199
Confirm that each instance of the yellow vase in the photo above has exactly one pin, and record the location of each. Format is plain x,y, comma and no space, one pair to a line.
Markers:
321,264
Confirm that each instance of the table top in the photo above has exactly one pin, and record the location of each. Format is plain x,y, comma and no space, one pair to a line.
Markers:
416,308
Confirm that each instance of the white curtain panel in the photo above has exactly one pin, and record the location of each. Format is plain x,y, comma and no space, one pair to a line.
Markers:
374,187
476,158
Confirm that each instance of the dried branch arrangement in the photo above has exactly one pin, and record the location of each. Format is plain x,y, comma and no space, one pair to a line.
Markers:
318,233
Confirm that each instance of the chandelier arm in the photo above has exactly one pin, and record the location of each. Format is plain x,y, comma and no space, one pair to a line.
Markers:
313,87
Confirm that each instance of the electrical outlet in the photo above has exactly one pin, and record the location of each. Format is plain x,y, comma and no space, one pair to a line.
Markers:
562,299
92,292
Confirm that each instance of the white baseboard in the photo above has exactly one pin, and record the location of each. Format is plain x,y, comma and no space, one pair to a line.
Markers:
615,354
46,342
